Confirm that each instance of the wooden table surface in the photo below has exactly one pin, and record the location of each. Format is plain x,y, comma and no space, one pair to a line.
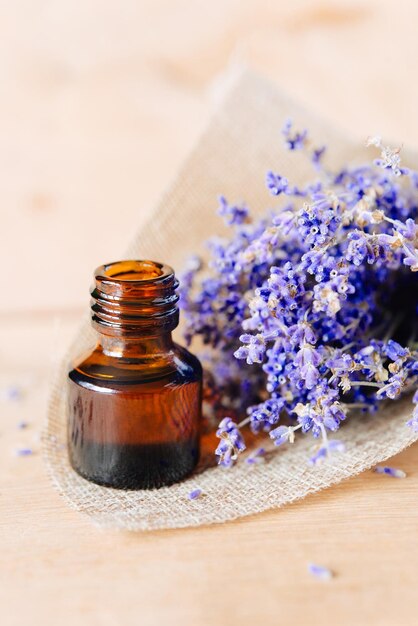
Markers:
100,103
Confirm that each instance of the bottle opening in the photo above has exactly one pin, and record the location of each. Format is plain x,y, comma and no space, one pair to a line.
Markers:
134,270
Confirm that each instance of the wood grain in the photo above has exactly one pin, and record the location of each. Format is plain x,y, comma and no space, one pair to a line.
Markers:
100,102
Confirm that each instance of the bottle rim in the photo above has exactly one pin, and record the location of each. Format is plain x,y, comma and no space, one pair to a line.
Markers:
134,271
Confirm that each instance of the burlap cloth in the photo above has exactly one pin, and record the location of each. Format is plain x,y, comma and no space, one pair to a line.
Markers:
241,143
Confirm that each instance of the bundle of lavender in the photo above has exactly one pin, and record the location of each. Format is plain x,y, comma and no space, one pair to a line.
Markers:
311,312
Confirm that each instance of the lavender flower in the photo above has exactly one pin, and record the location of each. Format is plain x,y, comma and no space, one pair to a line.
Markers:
231,444
310,312
276,184
232,214
295,139
390,157
282,434
253,349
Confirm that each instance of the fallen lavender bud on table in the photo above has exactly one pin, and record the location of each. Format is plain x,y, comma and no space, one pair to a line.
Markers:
24,451
320,572
310,311
12,393
390,471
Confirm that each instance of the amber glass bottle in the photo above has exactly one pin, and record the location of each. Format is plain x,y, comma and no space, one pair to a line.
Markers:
134,402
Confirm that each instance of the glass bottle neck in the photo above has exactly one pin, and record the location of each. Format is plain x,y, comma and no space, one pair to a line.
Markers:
145,347
134,308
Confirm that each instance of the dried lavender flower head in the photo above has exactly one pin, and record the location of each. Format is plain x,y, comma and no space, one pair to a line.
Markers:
311,312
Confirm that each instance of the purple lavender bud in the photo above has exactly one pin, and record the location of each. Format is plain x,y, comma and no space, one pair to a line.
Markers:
253,350
276,184
14,394
310,375
295,140
194,494
395,351
317,155
409,229
280,435
232,214
320,572
389,471
24,451
331,422
319,456
335,445
257,457
307,355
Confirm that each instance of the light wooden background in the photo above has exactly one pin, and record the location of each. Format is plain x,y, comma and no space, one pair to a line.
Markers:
100,101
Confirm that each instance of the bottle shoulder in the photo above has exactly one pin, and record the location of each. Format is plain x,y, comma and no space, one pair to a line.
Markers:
175,367
183,355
